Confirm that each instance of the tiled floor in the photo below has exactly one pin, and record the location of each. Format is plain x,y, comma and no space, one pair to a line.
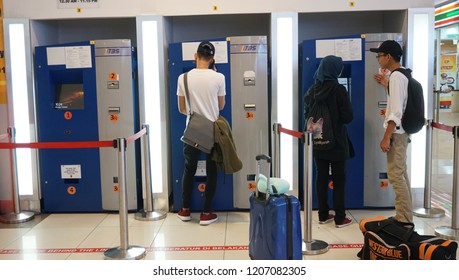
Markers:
87,236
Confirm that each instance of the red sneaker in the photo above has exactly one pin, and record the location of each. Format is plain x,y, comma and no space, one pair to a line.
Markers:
184,214
208,218
330,218
345,223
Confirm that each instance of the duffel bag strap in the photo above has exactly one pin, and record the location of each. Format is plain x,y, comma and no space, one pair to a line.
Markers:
426,254
402,231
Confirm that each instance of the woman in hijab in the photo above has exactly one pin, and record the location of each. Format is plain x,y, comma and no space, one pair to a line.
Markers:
331,162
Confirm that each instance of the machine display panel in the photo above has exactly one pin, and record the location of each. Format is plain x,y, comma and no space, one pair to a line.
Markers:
69,97
346,82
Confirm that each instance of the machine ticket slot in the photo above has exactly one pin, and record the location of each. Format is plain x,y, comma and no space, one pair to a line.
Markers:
250,107
114,110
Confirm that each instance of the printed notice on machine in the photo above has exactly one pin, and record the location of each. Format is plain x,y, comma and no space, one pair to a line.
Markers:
348,49
78,57
71,57
71,171
221,51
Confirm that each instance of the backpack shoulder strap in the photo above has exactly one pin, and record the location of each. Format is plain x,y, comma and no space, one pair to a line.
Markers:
404,71
187,94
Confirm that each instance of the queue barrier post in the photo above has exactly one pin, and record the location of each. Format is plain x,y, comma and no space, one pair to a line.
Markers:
148,213
276,148
427,211
310,246
437,105
124,251
452,232
17,216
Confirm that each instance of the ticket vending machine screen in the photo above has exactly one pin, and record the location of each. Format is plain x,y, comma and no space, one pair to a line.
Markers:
345,78
69,97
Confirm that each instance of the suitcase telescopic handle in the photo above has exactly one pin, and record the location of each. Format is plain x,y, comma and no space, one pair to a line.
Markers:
268,183
264,157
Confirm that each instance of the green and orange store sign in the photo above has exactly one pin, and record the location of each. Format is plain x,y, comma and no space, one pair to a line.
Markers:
447,14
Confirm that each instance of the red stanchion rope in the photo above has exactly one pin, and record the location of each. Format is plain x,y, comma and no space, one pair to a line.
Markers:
293,133
136,136
70,145
58,145
442,126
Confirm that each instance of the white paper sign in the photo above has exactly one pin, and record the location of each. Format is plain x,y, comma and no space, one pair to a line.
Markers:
221,51
201,170
55,55
71,57
71,171
347,49
78,57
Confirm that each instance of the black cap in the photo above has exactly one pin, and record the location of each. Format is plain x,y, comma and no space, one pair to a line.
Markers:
390,47
206,48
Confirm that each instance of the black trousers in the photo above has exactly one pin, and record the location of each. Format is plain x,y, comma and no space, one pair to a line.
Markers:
191,155
338,175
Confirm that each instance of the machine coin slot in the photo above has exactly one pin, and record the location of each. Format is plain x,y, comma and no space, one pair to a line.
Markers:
382,104
251,177
113,85
114,110
249,78
250,107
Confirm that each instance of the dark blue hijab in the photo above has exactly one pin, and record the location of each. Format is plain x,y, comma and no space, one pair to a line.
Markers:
329,69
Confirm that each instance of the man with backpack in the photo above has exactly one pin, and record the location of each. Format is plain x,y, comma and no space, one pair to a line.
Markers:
395,140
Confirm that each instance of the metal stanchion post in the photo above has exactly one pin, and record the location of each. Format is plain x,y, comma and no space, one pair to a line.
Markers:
148,213
17,216
124,251
427,211
276,153
437,105
445,231
310,246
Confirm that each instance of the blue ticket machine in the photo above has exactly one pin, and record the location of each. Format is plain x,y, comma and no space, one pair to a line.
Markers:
244,62
181,60
86,91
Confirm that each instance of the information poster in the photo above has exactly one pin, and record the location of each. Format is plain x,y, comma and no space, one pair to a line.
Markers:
448,83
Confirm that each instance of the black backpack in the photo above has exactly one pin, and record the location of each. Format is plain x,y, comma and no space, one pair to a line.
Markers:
413,118
319,124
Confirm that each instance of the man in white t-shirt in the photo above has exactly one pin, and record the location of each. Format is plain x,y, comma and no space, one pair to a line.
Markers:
206,89
395,140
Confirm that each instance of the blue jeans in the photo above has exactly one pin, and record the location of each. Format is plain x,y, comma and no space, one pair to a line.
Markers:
191,155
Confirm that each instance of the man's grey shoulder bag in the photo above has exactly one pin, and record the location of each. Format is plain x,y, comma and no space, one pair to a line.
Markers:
199,132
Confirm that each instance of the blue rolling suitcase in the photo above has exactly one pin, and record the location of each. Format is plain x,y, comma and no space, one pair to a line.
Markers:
275,225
